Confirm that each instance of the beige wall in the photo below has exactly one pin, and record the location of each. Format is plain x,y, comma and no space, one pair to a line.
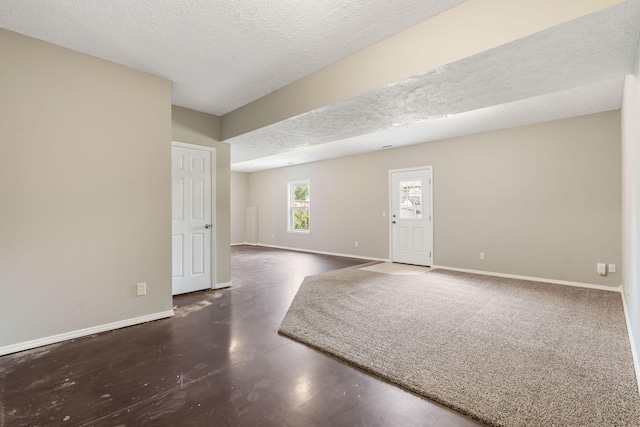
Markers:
84,189
453,35
631,202
540,200
239,201
204,129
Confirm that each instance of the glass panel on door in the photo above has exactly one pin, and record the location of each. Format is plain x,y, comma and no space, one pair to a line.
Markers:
411,199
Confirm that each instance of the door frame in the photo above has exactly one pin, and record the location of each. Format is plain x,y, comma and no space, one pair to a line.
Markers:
430,208
214,229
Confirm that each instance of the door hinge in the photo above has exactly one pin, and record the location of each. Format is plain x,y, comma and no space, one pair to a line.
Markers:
429,217
429,254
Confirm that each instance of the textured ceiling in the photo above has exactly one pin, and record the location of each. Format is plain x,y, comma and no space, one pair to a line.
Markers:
220,55
589,99
521,81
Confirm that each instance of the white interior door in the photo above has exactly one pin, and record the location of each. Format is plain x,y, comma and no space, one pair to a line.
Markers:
411,216
192,223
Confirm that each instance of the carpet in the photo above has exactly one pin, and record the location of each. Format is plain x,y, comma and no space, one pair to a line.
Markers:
506,352
396,269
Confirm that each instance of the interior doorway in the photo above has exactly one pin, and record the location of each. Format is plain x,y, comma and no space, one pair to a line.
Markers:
192,217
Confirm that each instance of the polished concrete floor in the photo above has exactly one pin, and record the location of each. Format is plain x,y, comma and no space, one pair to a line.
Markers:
218,362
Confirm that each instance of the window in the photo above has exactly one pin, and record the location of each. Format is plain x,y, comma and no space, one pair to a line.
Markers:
299,206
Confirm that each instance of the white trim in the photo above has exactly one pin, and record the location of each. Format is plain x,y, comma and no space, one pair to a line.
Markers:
192,146
417,168
222,285
214,218
28,345
429,170
246,244
290,187
320,252
214,196
432,215
462,270
533,279
636,362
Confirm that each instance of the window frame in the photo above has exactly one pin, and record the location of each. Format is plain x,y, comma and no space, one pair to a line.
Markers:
291,186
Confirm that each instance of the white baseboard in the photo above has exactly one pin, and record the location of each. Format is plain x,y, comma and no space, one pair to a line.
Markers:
28,345
222,285
533,279
320,252
463,270
636,362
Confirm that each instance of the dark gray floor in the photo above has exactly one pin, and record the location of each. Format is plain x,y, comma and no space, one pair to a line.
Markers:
218,362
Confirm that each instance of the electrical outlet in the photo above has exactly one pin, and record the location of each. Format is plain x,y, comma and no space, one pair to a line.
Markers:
482,256
141,289
356,244
612,268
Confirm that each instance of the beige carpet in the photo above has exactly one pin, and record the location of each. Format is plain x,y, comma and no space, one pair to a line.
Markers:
396,269
504,351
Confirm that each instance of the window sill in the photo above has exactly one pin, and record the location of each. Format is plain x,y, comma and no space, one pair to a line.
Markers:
299,231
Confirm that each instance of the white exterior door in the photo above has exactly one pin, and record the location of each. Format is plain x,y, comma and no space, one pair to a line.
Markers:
411,216
192,222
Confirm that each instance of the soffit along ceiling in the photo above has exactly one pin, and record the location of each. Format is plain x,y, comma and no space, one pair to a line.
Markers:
589,99
572,69
220,55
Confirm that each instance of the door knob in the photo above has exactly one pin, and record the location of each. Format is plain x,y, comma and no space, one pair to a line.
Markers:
207,226
393,222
